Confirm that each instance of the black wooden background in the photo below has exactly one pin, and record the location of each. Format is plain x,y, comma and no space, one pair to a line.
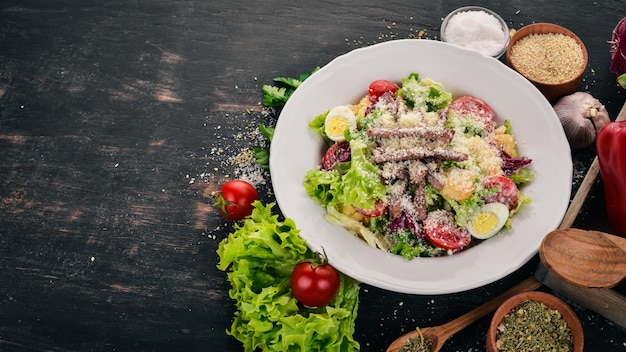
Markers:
119,118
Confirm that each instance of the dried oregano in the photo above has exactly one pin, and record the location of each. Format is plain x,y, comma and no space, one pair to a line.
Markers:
533,326
419,343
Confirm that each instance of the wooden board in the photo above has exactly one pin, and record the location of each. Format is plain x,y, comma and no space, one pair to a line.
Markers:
118,117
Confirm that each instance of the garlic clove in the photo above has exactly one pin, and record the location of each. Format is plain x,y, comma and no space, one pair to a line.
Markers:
581,116
601,118
579,132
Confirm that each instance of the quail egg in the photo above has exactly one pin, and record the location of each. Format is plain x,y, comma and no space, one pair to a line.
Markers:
338,120
488,220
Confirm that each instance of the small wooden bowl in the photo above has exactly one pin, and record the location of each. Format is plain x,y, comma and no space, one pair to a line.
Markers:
551,91
549,300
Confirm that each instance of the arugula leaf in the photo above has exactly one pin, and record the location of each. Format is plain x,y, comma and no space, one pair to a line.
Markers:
295,82
292,82
268,132
277,95
262,155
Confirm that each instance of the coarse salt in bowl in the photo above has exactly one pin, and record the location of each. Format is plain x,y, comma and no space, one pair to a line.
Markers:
476,28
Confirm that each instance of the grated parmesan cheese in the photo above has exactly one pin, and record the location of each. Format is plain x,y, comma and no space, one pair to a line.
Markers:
411,119
458,183
485,156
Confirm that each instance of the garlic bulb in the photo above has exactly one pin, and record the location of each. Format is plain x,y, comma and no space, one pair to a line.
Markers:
582,116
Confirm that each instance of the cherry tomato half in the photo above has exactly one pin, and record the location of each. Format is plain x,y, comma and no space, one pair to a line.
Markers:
314,285
475,108
507,192
441,231
235,199
338,152
380,87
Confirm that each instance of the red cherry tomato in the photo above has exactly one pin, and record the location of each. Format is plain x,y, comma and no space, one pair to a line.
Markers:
441,231
314,285
338,152
472,107
380,87
235,199
506,192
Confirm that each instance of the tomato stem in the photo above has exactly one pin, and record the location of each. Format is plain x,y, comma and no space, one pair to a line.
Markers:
221,203
322,258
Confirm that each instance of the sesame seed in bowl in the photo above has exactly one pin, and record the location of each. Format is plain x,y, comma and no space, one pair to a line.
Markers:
553,58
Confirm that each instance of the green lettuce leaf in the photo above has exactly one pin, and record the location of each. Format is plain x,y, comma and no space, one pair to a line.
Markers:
323,186
317,125
335,217
258,257
360,186
424,93
522,201
522,175
408,246
621,80
465,209
507,126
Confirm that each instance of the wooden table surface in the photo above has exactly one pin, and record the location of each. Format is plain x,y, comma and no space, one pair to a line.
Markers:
117,118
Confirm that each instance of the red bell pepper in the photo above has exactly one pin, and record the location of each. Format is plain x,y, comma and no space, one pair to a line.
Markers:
611,149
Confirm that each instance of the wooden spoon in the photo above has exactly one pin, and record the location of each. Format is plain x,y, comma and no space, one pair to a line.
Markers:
439,334
584,257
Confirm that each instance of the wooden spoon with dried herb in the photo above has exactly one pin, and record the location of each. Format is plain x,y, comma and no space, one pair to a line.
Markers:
418,340
588,258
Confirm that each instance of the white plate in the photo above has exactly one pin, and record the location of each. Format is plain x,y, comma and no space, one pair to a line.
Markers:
295,149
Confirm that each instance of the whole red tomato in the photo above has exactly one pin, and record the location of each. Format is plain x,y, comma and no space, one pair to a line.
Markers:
313,284
235,199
